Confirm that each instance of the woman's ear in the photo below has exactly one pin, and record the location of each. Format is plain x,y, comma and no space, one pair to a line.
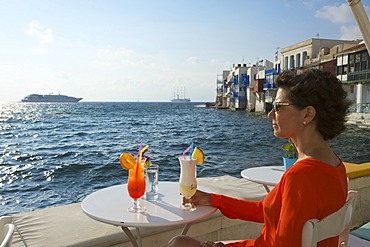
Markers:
310,114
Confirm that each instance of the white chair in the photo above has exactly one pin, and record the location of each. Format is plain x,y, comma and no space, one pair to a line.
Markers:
6,231
335,224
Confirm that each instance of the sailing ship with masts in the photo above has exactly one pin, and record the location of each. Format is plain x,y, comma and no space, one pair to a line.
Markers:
180,97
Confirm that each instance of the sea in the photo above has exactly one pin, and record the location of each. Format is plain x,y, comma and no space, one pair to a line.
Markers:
53,154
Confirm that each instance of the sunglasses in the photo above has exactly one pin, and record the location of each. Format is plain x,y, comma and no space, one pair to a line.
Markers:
276,105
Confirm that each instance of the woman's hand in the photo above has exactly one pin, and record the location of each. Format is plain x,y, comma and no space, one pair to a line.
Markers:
199,198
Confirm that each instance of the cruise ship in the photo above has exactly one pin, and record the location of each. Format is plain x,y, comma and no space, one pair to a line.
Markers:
49,98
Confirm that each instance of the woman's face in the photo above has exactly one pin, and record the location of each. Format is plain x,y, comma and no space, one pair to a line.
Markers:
287,120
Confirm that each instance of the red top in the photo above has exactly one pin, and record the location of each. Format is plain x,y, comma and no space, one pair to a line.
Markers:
309,189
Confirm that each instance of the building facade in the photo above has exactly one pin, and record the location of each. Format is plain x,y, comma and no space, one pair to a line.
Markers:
254,87
239,81
353,69
222,90
310,51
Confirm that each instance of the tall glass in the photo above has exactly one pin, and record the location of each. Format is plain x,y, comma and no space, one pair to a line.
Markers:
188,181
136,186
151,179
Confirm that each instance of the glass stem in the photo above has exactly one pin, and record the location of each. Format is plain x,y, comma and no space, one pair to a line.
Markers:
136,204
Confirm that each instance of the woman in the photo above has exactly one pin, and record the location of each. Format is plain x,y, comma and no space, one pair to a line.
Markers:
310,108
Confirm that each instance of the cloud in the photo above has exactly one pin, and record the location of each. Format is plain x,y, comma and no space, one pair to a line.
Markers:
308,4
62,75
193,60
128,61
336,14
114,58
119,53
350,32
123,52
35,30
342,15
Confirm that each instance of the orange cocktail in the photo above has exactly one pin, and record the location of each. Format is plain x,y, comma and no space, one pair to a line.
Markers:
136,181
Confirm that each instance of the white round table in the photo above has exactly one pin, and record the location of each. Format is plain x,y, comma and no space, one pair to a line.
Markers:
265,175
110,205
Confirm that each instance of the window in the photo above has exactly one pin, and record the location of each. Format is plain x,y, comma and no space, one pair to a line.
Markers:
291,62
358,61
244,80
364,56
357,67
351,67
345,59
345,69
304,57
358,57
339,70
351,58
298,58
339,60
269,79
364,65
286,63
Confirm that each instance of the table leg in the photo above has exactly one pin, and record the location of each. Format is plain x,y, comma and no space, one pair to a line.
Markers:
131,236
266,188
138,236
185,229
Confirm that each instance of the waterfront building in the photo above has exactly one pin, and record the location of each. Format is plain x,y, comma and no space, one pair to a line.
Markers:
237,82
348,60
269,85
353,69
257,94
310,51
242,87
253,88
222,90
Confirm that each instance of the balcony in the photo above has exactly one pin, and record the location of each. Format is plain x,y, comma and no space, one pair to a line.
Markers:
362,107
272,71
267,86
359,76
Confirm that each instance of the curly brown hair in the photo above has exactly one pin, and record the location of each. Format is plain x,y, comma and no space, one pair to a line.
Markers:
323,91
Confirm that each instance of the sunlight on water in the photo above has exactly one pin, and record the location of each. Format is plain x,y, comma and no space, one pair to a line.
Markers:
54,154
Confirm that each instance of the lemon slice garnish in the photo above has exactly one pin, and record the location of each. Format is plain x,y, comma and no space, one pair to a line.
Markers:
147,163
127,161
198,155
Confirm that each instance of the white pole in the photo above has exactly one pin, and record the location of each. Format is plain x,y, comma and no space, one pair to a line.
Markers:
359,97
361,19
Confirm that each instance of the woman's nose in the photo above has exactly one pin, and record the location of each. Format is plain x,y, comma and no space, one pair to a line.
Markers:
271,114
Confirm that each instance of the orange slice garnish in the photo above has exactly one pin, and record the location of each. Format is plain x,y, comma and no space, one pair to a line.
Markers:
127,161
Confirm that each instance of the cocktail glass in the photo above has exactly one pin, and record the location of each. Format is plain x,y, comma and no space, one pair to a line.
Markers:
136,186
188,180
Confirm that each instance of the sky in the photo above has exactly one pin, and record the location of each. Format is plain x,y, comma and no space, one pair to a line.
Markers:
146,50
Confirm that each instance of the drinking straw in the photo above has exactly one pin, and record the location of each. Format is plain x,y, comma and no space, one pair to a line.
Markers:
186,150
141,153
191,150
138,153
